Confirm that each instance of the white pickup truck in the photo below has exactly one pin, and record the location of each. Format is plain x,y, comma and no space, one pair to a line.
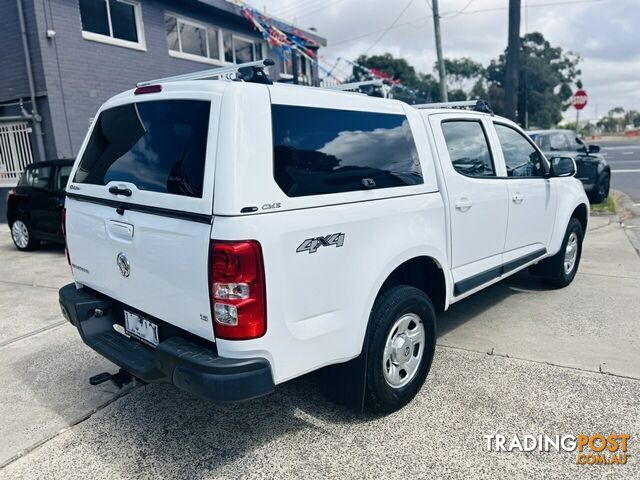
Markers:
229,236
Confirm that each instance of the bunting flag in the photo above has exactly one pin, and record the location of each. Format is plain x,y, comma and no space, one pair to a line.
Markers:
285,39
378,74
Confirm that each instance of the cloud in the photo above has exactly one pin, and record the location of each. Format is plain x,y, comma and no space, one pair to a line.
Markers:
604,32
390,145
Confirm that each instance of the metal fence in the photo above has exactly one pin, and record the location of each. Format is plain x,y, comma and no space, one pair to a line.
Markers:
15,151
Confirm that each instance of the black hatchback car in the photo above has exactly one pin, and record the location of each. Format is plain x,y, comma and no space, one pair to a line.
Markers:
593,170
34,206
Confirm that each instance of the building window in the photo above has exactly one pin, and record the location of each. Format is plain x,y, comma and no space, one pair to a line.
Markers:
285,66
118,22
238,49
192,40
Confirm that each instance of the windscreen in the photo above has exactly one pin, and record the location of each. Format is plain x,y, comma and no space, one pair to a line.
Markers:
158,146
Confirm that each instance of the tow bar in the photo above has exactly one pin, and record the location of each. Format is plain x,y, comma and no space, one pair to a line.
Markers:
120,379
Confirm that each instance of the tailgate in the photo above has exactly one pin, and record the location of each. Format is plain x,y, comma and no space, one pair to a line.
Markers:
139,208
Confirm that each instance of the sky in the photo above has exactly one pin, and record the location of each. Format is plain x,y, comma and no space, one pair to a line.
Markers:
605,33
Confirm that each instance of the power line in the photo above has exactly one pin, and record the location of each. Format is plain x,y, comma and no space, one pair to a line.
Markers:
292,7
472,12
459,12
389,27
318,8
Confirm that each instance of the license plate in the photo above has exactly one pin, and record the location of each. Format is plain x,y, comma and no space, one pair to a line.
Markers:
141,328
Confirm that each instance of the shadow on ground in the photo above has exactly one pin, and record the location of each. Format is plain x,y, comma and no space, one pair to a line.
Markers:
460,313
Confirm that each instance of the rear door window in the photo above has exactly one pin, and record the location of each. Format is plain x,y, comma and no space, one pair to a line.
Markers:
36,178
319,151
468,148
159,146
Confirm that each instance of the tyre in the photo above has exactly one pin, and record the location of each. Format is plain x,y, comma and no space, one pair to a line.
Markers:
561,269
22,235
601,191
402,339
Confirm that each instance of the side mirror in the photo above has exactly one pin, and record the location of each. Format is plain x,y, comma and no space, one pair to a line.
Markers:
563,167
594,149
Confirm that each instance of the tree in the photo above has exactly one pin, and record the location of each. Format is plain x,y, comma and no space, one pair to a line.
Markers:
617,120
546,76
461,72
423,87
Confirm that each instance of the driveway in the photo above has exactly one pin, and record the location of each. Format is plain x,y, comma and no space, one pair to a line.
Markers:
514,359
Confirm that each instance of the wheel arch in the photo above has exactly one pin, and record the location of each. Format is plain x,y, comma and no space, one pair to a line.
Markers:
581,213
403,267
572,203
424,273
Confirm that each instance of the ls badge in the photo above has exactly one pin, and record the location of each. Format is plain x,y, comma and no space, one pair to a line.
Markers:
311,245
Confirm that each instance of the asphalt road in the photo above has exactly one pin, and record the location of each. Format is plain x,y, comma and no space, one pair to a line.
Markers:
516,358
624,159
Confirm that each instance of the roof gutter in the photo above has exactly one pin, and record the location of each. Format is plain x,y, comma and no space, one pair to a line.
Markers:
34,116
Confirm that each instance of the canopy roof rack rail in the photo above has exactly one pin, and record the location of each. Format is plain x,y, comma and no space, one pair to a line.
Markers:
476,105
345,87
249,72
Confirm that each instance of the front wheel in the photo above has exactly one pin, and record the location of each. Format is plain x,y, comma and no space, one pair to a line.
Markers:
22,236
402,341
563,266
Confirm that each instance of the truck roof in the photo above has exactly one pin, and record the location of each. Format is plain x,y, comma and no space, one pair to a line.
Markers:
209,86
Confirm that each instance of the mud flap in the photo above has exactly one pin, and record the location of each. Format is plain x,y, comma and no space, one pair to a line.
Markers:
346,383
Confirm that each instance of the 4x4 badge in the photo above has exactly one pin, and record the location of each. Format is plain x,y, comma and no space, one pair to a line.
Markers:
311,245
123,264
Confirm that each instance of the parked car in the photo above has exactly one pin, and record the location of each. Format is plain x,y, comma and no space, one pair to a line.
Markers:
593,170
227,237
34,206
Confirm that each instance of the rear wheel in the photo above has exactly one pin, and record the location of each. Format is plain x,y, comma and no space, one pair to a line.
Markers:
602,188
22,236
401,347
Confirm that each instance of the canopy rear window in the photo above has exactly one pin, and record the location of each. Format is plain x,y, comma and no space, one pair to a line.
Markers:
159,146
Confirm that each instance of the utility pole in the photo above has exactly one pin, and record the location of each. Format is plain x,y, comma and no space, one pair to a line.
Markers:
441,71
513,62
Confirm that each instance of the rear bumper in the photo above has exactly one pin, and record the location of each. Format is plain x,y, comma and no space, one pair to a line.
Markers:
185,364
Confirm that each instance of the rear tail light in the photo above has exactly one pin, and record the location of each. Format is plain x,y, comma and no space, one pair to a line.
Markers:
63,220
10,194
237,289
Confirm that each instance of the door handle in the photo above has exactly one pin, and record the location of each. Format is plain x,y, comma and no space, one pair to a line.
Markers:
120,191
464,204
517,198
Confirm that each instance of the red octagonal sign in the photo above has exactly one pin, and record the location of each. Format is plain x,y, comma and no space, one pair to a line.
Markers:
579,99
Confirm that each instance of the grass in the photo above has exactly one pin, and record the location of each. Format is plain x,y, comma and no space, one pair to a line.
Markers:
608,206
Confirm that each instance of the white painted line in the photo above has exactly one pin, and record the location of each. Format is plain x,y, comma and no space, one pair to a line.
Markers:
630,170
628,153
620,147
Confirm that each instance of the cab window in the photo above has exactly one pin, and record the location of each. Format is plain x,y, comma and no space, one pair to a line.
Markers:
520,156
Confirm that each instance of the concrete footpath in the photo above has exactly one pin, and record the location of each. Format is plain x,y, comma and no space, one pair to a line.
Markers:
515,359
